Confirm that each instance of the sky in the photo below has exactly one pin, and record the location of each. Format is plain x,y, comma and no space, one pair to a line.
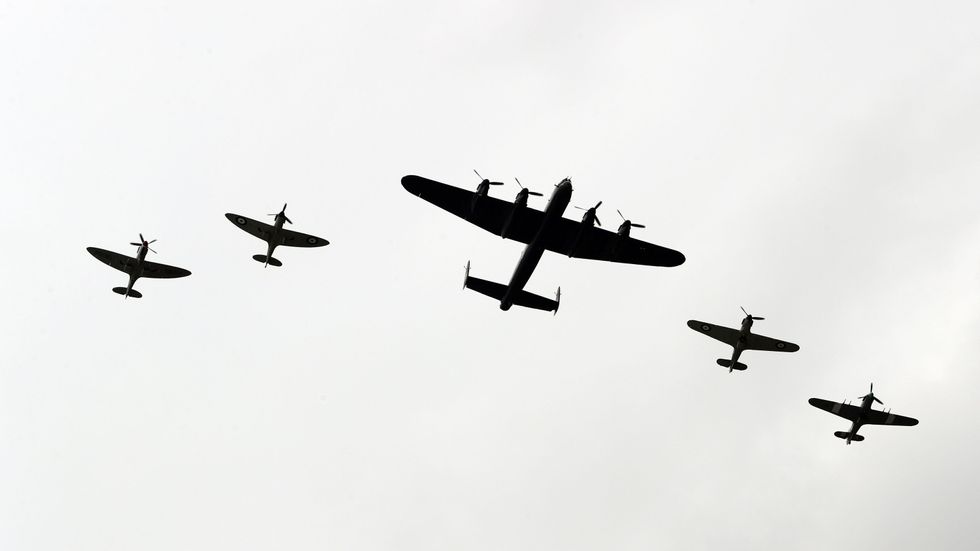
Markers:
817,163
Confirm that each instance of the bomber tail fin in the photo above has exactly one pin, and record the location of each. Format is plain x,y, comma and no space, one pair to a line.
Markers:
728,363
267,260
132,292
520,298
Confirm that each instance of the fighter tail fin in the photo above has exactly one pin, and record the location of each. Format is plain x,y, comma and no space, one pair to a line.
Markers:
132,292
520,298
271,261
845,435
728,363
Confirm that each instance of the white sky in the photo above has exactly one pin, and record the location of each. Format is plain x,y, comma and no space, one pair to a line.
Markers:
816,162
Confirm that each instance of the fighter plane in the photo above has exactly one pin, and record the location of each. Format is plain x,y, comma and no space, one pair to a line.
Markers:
541,231
275,235
136,267
741,340
863,415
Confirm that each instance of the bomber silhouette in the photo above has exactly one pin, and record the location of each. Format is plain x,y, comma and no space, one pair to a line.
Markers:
541,231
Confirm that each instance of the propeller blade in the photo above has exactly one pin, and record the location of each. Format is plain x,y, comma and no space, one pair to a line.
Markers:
136,244
478,175
284,207
597,205
877,400
151,250
743,311
535,193
597,220
287,219
141,237
757,318
154,241
642,226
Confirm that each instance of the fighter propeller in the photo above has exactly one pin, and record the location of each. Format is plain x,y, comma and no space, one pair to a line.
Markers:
590,214
144,242
748,315
871,394
282,213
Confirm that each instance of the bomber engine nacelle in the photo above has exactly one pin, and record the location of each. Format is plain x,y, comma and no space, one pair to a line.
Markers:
624,228
590,218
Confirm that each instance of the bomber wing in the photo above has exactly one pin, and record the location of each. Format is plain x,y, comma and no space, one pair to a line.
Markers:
487,212
259,229
574,239
162,271
295,239
875,417
118,261
758,342
847,411
726,335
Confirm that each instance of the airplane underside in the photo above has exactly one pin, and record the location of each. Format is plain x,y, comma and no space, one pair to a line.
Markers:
132,292
848,436
267,260
519,298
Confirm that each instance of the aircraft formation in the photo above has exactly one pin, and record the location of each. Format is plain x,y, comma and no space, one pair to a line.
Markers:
539,231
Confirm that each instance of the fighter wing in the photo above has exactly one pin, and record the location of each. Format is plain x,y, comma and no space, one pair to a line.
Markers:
259,229
758,342
118,261
295,239
875,417
487,212
847,411
726,335
162,271
574,239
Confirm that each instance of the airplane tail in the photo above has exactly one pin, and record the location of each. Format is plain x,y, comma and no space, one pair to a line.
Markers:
267,260
520,298
844,435
132,292
728,363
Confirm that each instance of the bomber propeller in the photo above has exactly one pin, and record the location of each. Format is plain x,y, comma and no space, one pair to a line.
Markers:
591,212
486,181
629,223
144,242
528,192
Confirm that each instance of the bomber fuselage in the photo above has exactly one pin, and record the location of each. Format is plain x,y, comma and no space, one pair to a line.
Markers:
533,251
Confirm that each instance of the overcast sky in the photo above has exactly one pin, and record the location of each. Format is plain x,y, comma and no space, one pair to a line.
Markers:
817,163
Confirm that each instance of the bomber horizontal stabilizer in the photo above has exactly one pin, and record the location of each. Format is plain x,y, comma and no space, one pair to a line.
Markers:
520,298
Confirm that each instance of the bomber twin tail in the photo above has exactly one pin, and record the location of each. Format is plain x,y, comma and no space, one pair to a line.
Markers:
136,267
862,415
741,340
540,231
275,235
